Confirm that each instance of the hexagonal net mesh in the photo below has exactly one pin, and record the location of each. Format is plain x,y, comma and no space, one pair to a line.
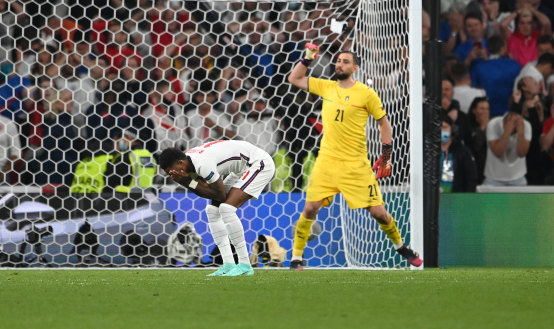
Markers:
90,93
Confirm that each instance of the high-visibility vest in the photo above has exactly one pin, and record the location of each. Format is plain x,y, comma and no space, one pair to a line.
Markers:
282,181
89,175
143,167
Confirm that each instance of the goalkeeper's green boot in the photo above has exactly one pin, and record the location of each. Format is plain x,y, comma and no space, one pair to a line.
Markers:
241,269
224,269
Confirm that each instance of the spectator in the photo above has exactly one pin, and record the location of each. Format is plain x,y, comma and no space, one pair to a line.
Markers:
259,57
496,75
474,49
167,31
479,117
539,72
167,117
425,29
10,147
108,118
84,94
259,126
458,169
446,5
547,143
9,15
43,59
527,102
544,7
12,93
111,41
508,140
182,83
132,166
37,104
452,30
522,44
235,86
452,108
134,94
463,91
545,44
62,31
52,164
491,9
506,10
206,122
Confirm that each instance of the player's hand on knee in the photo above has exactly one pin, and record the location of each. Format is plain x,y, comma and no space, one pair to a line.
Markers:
383,165
312,51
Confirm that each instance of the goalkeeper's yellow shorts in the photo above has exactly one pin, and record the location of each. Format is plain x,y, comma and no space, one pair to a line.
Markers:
354,179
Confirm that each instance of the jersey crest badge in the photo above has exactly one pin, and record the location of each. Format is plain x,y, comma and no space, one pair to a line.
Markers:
347,98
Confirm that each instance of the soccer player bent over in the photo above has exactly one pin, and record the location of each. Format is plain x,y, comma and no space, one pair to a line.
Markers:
342,165
246,169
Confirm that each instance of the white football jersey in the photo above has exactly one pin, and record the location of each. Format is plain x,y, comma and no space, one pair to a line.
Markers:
221,158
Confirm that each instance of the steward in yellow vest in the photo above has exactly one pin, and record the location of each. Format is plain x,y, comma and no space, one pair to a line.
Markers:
121,172
132,167
89,174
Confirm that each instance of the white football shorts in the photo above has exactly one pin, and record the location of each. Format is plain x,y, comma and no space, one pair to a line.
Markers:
254,179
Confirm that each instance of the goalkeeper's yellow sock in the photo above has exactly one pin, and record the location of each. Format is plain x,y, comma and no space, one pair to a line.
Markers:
301,235
392,232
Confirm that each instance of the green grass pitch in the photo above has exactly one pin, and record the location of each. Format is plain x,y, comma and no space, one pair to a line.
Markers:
432,298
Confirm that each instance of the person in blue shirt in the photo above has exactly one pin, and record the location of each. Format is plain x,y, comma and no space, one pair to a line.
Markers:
496,75
12,94
474,49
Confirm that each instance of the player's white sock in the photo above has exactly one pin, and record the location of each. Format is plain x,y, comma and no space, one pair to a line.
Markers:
235,229
219,233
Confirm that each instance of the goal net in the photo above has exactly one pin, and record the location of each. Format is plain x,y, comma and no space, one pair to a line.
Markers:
91,93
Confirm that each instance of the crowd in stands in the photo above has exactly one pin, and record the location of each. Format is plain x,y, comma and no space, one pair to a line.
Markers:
497,91
75,76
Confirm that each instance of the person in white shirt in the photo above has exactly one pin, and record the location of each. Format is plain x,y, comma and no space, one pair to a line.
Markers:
228,173
259,126
168,117
541,71
508,140
204,122
463,91
10,146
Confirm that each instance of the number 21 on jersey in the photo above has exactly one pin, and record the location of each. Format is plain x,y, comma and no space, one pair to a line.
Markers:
340,115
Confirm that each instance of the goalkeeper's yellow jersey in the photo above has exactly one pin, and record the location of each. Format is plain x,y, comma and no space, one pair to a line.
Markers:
345,113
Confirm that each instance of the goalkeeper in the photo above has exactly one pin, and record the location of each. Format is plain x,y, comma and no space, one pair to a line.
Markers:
342,165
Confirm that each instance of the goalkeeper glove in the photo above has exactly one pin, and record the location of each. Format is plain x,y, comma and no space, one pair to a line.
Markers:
383,166
312,51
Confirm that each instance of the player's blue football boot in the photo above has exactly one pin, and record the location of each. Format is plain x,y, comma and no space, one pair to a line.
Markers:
224,269
241,269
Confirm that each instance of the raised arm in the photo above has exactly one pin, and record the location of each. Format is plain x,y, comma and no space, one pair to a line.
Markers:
544,21
298,76
522,143
498,147
505,23
547,140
